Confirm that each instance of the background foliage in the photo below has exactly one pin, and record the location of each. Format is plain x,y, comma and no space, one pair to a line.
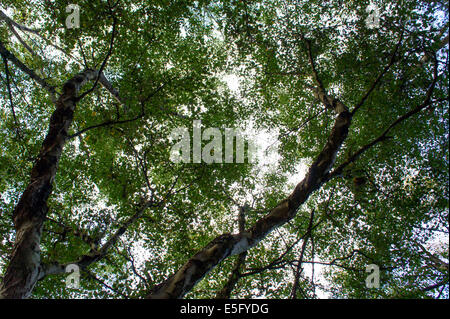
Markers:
170,62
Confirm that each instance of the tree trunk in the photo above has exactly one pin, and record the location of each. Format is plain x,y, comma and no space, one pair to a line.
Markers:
29,215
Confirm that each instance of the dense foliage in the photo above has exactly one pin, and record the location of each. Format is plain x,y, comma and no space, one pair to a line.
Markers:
234,64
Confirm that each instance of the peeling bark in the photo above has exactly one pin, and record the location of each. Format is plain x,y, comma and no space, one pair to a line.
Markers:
227,245
24,268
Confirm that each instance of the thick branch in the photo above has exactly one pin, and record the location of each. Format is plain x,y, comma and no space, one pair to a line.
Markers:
7,19
320,91
18,37
227,245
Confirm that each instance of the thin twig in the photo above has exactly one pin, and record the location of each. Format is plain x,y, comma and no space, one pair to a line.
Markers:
100,71
299,265
8,85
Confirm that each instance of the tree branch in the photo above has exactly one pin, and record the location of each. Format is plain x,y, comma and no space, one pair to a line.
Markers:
226,245
299,265
330,103
8,86
100,71
94,255
7,19
18,37
377,80
50,89
427,102
225,292
104,124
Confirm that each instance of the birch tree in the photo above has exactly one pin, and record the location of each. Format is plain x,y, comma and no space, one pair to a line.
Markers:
358,111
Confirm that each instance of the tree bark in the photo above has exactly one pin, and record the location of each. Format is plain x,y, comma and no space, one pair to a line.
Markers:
23,270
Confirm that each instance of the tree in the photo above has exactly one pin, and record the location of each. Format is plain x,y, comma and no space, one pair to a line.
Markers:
361,113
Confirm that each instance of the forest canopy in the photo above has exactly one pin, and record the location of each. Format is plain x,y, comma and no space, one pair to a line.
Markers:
224,149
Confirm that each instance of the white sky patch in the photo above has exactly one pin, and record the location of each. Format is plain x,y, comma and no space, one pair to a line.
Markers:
267,147
169,66
298,174
217,34
183,31
233,82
